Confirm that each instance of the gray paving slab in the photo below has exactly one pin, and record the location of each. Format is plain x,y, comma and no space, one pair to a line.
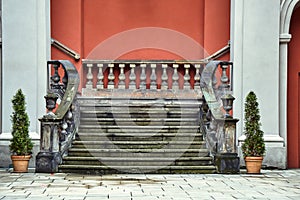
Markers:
271,184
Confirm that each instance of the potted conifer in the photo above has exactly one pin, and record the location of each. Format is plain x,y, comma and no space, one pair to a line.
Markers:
254,146
20,144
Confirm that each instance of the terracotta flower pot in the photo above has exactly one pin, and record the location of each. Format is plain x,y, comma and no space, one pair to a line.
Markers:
20,163
253,164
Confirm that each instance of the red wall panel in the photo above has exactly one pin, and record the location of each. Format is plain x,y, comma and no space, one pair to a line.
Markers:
108,19
140,29
293,125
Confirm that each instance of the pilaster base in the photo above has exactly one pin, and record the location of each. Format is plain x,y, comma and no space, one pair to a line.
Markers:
276,152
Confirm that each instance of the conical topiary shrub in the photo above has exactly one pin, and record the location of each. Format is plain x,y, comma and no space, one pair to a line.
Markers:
254,145
21,143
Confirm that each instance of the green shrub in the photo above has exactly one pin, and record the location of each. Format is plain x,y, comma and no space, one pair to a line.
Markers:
254,144
21,143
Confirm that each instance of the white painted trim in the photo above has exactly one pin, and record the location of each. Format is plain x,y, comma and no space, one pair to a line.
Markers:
8,136
270,140
236,54
285,38
287,8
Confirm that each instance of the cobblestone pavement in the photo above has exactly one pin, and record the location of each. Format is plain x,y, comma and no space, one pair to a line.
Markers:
271,184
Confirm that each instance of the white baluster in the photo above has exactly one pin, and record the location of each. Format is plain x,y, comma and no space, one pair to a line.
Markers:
111,77
122,77
132,77
153,84
164,77
197,77
100,77
175,77
143,77
89,77
186,77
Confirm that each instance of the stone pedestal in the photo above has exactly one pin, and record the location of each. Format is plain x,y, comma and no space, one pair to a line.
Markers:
47,162
227,163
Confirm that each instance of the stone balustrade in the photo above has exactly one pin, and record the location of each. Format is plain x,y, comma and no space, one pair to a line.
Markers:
144,75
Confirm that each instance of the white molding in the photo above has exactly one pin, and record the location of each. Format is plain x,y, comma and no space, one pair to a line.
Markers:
287,8
8,136
270,140
236,54
285,38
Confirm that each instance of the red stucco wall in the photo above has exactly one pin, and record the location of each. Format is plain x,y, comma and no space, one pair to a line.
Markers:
135,29
293,125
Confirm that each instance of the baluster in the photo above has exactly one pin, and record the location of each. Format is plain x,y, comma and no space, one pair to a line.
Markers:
143,77
100,77
132,77
111,77
69,118
122,77
164,77
175,78
153,84
186,77
224,78
197,77
89,77
224,86
63,131
55,78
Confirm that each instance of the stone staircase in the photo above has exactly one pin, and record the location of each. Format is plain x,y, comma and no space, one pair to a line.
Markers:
139,134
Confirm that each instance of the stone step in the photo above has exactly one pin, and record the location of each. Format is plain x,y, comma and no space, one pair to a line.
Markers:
135,153
153,111
144,161
137,109
138,102
139,121
138,144
138,129
139,136
78,142
100,169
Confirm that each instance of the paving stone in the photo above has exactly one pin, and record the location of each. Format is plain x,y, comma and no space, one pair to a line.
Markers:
271,184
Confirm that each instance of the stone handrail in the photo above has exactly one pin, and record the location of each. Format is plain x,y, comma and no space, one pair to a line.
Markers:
142,74
220,127
60,124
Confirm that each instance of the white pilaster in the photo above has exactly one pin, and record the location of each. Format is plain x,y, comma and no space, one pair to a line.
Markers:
255,54
26,49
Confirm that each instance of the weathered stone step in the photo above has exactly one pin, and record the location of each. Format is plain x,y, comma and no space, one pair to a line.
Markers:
149,111
144,161
118,152
87,143
139,121
87,169
138,129
138,144
138,102
135,108
139,136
